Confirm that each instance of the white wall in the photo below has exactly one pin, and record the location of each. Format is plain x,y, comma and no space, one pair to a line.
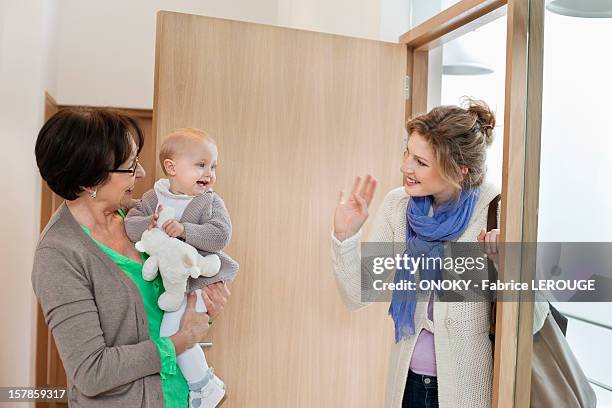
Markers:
26,41
107,48
395,19
355,18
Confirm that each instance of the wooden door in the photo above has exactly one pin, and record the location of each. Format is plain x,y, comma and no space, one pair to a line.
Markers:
296,115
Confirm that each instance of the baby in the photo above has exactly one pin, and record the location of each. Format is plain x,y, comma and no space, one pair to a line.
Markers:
188,158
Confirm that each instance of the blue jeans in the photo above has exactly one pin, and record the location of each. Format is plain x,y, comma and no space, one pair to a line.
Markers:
421,391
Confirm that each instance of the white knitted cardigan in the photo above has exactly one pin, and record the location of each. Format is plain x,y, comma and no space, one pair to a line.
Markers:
464,360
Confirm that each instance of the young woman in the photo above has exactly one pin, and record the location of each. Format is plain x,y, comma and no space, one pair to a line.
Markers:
442,354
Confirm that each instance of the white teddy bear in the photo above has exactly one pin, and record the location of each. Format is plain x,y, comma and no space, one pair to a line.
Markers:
175,260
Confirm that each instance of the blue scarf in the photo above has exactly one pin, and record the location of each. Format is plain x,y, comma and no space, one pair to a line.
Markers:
424,237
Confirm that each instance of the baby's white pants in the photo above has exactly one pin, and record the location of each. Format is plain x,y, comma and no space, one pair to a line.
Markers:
192,362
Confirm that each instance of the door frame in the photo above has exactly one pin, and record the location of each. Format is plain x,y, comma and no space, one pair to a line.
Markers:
523,94
48,366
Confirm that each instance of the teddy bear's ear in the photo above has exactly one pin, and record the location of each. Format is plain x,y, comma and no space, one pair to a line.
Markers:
139,247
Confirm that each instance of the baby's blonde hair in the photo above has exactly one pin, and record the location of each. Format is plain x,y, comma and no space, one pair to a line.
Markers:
178,141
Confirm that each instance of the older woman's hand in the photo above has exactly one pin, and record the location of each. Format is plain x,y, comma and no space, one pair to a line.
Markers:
215,296
193,328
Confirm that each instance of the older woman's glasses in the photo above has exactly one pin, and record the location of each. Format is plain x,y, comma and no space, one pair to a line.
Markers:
131,170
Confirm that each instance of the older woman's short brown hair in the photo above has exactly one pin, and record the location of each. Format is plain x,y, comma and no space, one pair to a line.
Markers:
77,147
459,137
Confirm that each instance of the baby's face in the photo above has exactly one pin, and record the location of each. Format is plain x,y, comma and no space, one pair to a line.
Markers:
195,169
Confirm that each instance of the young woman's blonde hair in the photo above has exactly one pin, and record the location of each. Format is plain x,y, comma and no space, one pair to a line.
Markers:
459,137
179,141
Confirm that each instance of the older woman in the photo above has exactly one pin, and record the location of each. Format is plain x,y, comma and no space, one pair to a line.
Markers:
442,354
87,274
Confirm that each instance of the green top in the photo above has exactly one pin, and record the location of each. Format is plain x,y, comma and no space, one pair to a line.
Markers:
174,385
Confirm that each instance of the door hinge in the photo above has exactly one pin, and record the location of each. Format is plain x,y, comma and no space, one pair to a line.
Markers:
407,90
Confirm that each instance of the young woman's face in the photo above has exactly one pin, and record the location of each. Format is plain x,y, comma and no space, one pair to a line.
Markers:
421,172
195,171
118,188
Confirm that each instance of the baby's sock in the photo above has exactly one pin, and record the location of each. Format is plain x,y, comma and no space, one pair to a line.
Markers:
198,385
193,364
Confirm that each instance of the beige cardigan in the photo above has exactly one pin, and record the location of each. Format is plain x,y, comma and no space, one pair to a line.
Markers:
463,349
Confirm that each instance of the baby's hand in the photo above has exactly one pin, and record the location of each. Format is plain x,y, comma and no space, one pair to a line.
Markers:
155,217
174,229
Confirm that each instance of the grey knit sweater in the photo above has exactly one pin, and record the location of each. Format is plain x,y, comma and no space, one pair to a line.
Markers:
207,228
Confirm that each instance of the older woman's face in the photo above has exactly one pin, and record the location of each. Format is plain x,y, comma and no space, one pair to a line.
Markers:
118,188
421,173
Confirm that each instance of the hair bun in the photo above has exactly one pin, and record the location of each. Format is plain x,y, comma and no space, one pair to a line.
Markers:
484,117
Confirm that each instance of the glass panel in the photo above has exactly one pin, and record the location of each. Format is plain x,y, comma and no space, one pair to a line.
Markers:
575,200
474,66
